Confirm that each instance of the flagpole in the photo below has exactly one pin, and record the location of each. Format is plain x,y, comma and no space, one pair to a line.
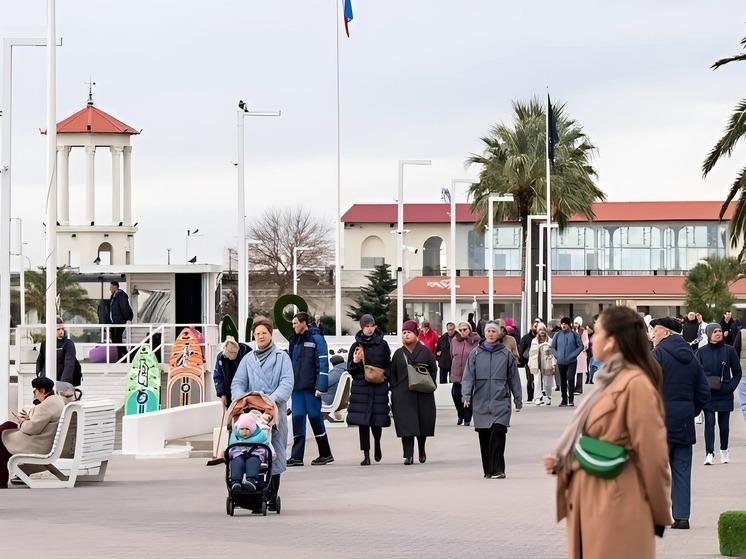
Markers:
338,216
549,217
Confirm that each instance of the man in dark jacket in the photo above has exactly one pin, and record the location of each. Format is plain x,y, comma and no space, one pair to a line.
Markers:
65,362
120,312
443,352
524,346
729,327
566,346
690,330
226,365
685,392
309,355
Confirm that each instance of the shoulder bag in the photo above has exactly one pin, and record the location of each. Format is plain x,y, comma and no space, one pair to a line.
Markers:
548,363
715,382
373,375
418,377
600,458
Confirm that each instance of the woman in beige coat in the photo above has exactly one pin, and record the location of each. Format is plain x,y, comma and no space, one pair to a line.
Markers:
617,518
36,429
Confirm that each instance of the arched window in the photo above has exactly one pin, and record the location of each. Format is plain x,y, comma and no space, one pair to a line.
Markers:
372,253
105,254
432,255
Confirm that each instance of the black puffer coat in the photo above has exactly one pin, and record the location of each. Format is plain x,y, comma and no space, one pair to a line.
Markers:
369,403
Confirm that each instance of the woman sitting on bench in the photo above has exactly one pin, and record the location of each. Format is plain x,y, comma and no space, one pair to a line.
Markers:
35,431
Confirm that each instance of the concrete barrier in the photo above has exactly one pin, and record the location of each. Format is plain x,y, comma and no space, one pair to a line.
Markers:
145,434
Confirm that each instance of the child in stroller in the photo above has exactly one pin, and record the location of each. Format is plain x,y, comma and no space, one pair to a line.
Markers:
246,461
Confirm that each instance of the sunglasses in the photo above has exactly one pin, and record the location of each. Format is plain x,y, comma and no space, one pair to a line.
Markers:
463,329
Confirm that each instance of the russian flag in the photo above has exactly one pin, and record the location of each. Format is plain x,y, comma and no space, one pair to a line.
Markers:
348,15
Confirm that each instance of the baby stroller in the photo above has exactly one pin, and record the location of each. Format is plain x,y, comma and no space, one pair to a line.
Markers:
256,501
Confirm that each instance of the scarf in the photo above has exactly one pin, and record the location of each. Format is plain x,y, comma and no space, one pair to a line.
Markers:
262,354
603,378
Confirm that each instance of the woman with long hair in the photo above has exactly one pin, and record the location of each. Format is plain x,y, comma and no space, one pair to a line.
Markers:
462,343
582,367
542,366
615,507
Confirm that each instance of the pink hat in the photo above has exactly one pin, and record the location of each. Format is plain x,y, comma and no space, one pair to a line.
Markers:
246,421
508,321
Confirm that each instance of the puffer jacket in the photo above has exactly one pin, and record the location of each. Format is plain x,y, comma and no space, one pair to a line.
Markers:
685,389
310,358
460,349
720,360
369,402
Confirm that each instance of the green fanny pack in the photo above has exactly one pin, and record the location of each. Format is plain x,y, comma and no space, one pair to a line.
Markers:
599,458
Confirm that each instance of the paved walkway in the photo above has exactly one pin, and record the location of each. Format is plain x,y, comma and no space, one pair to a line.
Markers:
444,508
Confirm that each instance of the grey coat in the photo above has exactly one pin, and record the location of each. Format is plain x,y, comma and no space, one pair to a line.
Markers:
490,376
275,379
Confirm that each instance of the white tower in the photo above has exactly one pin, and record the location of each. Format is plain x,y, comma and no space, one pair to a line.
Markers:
105,239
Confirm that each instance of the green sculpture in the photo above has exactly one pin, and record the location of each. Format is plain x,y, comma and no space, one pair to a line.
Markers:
283,322
228,328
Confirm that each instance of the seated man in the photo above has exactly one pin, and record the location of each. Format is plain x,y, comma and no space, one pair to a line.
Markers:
339,366
34,433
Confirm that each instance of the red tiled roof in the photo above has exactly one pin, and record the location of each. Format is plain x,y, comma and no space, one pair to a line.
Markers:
604,211
576,286
92,120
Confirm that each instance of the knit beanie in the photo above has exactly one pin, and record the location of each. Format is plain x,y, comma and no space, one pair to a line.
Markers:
367,320
464,324
565,320
411,325
710,329
491,325
578,320
230,348
246,421
508,321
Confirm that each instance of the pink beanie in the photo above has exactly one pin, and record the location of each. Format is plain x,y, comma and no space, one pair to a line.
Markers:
246,421
508,321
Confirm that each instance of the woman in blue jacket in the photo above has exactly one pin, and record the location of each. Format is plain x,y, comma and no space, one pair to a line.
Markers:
722,365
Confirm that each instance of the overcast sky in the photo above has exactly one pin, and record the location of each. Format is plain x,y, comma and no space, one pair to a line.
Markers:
419,79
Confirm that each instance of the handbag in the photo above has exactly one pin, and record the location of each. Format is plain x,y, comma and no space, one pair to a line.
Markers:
373,374
549,364
600,458
418,377
715,382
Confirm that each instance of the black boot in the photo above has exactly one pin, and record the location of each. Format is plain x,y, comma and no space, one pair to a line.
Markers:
378,454
366,458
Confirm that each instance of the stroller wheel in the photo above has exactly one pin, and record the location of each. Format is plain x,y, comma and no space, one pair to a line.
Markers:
229,506
264,508
277,504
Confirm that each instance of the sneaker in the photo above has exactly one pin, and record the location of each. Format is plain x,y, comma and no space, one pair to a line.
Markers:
467,423
682,524
236,487
724,457
322,460
460,421
293,462
537,401
501,475
248,485
563,404
571,404
547,402
709,458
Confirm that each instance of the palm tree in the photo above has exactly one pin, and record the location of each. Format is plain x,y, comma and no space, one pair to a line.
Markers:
72,300
514,162
708,286
734,131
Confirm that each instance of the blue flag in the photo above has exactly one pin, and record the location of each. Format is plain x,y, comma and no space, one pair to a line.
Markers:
348,15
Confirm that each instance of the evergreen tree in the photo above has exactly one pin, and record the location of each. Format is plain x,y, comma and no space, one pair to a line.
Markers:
374,298
708,286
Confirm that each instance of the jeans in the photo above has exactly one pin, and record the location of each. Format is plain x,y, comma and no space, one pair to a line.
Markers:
723,421
680,459
463,413
305,403
567,381
248,465
492,448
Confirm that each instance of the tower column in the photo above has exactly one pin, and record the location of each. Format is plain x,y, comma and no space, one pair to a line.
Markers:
63,180
90,179
127,194
116,191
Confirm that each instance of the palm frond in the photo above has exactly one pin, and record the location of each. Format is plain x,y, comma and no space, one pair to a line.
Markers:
724,61
734,131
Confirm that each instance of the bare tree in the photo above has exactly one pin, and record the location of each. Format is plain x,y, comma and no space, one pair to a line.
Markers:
279,231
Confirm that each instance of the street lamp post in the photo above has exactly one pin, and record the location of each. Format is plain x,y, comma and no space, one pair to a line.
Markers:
5,197
491,278
243,265
295,267
548,264
400,241
452,251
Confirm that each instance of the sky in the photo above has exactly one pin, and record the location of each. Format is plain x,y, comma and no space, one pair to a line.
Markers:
423,79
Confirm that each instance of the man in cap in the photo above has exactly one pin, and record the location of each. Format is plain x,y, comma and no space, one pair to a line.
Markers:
685,392
566,346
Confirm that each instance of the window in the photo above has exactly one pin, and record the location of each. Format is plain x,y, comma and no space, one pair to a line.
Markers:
372,253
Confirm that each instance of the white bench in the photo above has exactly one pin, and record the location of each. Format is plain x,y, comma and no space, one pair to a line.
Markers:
84,441
341,398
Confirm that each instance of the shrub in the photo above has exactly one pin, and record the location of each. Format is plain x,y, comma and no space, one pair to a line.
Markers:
732,533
